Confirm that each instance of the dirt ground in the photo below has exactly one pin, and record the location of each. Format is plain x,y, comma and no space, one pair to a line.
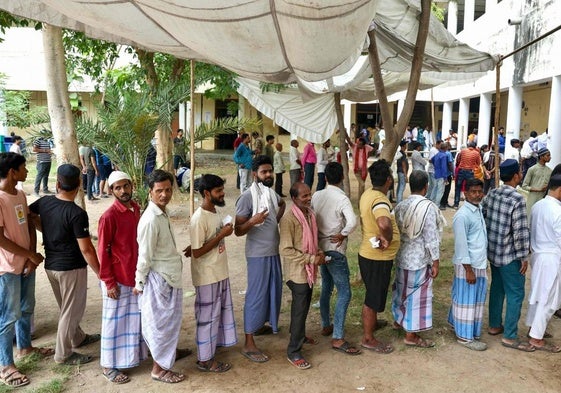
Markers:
445,368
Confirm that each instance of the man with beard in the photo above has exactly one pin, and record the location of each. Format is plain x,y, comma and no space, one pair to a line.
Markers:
122,345
299,248
380,242
214,310
158,279
258,211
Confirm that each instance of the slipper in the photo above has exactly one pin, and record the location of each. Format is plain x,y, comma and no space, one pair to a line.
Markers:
300,364
310,341
182,353
521,346
548,347
15,379
76,359
327,331
257,357
380,347
116,376
168,376
89,339
42,351
473,345
499,330
347,348
263,330
420,343
219,367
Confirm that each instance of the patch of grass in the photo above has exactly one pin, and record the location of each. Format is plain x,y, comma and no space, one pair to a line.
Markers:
29,363
53,386
63,370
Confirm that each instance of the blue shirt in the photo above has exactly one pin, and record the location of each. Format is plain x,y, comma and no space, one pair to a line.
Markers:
243,156
440,163
470,237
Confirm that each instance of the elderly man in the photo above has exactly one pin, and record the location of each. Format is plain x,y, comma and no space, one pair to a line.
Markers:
18,261
336,220
380,242
158,279
545,292
420,223
301,255
214,309
508,248
122,345
536,179
469,286
69,250
258,211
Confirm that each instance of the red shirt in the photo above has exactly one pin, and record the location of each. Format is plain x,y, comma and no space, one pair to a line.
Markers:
237,142
117,246
470,159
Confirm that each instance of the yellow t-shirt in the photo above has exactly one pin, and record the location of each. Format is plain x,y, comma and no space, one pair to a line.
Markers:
374,204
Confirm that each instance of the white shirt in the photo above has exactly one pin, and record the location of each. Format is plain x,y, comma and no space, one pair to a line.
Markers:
293,156
278,162
433,152
527,150
157,249
334,215
15,149
324,157
545,227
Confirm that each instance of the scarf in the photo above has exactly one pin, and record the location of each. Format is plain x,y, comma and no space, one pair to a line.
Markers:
415,217
309,240
359,155
262,197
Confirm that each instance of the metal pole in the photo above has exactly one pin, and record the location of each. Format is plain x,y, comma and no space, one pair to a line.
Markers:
192,142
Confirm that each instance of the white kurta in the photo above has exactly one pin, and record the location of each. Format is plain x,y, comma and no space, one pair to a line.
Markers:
545,238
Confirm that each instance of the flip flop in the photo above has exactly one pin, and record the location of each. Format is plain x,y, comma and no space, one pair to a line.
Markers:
548,347
521,346
257,357
182,353
300,364
420,343
15,379
116,376
76,359
168,376
347,349
379,348
42,351
89,339
219,367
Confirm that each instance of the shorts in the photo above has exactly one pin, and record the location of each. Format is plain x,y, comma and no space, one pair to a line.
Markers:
104,171
376,276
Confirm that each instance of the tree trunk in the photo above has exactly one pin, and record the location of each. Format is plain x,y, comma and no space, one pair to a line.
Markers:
343,144
164,149
62,122
394,133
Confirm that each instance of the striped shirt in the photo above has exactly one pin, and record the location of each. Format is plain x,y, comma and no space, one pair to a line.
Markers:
43,144
508,236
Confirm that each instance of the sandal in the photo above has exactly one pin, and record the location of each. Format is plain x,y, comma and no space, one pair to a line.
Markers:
347,349
116,376
420,343
327,331
213,366
15,379
520,345
380,347
300,364
257,357
42,351
89,339
76,359
168,376
548,347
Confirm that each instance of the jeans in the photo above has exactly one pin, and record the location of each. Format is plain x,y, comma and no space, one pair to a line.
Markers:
463,175
90,185
430,190
17,301
400,186
43,169
506,281
301,299
335,272
438,190
321,181
309,170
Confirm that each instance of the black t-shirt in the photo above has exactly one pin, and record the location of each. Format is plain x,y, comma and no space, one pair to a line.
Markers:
62,223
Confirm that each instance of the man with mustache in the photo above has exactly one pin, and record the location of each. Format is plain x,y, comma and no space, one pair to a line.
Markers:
258,212
122,345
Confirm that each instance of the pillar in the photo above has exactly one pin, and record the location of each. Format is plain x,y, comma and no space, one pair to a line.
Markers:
513,116
469,13
452,17
463,121
489,5
554,121
446,119
484,124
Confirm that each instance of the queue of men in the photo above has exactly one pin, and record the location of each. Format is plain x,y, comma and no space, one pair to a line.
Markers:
142,286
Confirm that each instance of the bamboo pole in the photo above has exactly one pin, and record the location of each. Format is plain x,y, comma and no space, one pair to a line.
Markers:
495,139
192,142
